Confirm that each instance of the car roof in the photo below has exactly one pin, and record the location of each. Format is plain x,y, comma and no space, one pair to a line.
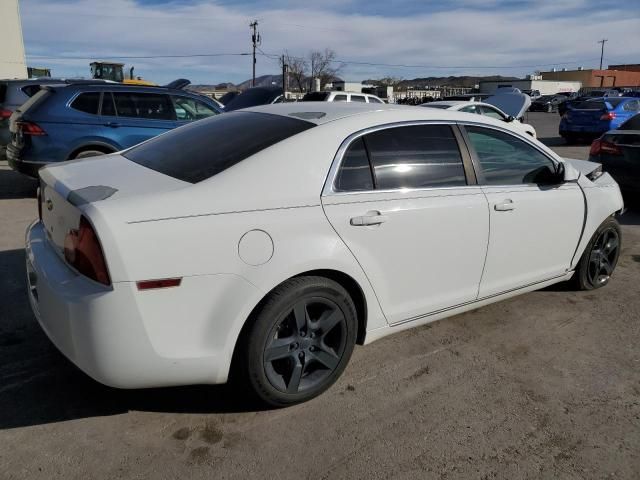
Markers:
451,103
100,86
322,113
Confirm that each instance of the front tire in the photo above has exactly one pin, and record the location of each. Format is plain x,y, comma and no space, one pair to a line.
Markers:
600,258
300,341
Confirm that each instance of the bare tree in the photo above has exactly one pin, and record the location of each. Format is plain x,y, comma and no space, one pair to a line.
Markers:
297,68
323,66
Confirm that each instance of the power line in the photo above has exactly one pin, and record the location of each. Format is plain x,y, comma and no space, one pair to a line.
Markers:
126,57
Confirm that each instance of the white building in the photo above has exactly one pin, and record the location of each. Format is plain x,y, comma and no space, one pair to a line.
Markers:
534,82
12,61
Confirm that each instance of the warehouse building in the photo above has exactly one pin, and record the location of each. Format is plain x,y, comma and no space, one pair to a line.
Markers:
596,78
12,61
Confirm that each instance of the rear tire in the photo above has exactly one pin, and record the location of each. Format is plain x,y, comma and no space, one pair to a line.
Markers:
300,341
88,153
600,258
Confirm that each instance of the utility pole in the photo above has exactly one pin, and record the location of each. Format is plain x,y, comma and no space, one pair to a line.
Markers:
602,50
256,40
284,79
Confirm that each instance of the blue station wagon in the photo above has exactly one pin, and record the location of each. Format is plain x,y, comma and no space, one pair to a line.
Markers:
76,121
593,117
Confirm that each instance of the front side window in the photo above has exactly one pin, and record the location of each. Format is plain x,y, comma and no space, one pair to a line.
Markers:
87,102
340,98
418,156
151,106
357,98
507,160
187,109
491,112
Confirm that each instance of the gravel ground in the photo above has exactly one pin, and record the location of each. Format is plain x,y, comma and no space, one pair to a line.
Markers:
545,385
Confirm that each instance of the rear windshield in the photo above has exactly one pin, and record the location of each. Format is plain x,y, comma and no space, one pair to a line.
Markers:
632,124
205,148
38,97
30,90
436,106
597,104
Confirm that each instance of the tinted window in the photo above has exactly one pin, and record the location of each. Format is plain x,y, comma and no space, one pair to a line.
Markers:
30,90
589,105
469,109
3,91
87,102
190,109
253,97
315,97
415,157
340,98
443,107
144,105
355,171
507,160
632,124
202,149
108,108
357,98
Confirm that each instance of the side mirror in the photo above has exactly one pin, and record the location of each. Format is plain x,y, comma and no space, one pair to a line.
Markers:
566,173
510,118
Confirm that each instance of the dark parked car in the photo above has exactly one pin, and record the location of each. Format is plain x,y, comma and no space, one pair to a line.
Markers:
61,123
547,103
619,153
593,117
253,97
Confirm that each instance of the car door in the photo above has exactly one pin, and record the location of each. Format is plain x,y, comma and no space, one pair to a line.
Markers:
536,222
404,201
140,116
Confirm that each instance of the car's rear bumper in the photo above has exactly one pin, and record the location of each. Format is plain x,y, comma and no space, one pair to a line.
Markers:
127,338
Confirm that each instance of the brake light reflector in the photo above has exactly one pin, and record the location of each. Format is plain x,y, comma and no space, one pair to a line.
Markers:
159,283
602,146
30,128
4,113
608,116
83,251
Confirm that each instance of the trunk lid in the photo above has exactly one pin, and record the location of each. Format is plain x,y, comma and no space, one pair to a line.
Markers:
587,112
67,188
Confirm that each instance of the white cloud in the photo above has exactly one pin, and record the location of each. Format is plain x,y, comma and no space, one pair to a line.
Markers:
470,34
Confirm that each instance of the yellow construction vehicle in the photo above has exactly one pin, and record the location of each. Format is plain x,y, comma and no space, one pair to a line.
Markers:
114,71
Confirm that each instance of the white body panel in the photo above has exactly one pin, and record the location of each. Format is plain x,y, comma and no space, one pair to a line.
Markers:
236,236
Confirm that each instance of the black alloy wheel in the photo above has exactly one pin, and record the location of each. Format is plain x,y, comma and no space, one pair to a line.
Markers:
600,258
305,345
299,342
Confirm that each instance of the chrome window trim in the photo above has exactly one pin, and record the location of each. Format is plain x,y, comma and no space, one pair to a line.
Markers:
329,190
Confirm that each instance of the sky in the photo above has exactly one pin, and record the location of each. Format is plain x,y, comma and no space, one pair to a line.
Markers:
372,38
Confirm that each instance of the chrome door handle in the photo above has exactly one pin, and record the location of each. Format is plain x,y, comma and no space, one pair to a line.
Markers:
368,219
504,206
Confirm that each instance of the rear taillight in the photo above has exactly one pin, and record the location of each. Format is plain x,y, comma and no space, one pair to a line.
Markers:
602,146
4,113
83,252
30,128
608,116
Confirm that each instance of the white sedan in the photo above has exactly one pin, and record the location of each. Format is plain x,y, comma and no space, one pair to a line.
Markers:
481,108
268,242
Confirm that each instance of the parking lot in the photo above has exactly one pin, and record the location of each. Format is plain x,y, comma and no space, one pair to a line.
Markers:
545,385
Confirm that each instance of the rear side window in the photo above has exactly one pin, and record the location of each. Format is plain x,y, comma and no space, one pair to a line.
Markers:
203,149
152,106
355,171
357,98
417,156
30,90
340,98
87,102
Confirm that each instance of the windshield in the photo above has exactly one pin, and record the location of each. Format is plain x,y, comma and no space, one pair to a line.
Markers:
315,97
205,148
